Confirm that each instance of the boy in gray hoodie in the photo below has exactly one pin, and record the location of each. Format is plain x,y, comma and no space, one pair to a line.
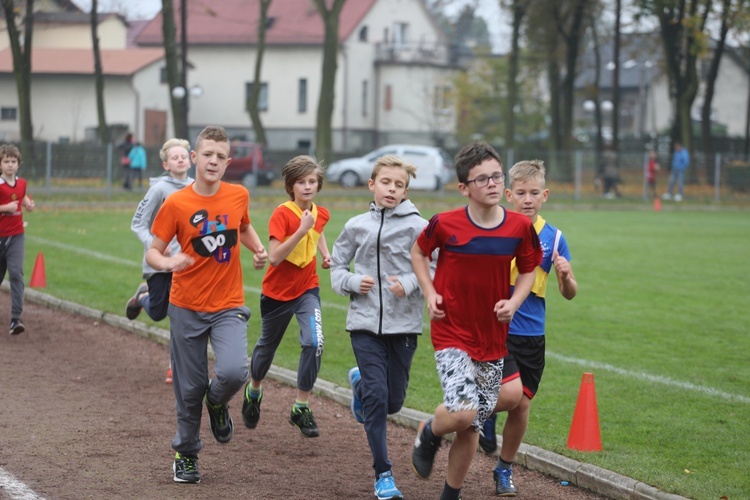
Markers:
386,306
153,296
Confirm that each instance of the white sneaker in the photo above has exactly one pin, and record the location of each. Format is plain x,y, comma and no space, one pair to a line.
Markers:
678,197
666,196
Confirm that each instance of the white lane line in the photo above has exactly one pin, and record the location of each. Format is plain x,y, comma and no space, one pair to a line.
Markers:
14,488
657,379
567,359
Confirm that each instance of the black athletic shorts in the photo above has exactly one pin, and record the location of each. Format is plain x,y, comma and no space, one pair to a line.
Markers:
525,355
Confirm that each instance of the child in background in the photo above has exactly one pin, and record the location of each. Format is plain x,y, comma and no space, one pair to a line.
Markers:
137,156
209,218
385,306
524,364
13,199
291,288
651,170
470,303
153,296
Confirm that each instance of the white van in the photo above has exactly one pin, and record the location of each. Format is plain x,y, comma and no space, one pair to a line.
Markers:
434,166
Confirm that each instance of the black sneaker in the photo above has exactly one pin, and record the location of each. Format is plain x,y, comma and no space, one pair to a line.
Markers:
303,420
133,306
487,439
185,468
16,327
423,453
504,486
221,423
251,408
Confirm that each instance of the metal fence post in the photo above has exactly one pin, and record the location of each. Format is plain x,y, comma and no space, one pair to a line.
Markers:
717,177
109,171
578,175
48,170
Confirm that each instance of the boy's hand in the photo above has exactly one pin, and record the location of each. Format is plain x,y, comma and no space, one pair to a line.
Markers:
562,266
504,311
28,204
435,307
260,258
307,221
179,262
326,264
366,285
396,287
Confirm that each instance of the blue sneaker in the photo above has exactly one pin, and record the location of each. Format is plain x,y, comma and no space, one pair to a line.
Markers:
504,486
385,486
487,439
358,410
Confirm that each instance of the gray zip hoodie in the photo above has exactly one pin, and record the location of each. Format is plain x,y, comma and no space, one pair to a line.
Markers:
379,243
160,188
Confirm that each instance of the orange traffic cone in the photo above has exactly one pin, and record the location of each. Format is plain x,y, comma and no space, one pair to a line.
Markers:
657,204
37,276
584,431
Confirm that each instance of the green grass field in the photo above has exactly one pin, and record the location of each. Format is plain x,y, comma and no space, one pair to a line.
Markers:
658,319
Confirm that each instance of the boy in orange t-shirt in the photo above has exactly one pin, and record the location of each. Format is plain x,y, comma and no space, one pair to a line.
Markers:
210,219
290,288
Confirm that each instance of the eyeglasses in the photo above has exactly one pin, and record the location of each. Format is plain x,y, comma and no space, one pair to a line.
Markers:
484,180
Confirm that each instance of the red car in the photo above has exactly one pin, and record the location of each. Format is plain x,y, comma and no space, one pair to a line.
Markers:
249,165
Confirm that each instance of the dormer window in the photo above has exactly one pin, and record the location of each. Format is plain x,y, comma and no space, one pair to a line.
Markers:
363,34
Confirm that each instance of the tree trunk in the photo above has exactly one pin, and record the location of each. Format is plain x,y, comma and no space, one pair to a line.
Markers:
323,133
22,71
100,111
599,141
713,72
169,33
616,82
252,104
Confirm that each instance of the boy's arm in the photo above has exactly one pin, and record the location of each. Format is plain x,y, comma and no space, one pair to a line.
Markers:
155,258
28,203
343,281
277,253
143,216
420,261
249,237
323,249
566,281
505,309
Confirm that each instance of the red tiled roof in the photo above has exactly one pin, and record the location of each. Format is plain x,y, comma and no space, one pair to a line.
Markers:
235,21
123,62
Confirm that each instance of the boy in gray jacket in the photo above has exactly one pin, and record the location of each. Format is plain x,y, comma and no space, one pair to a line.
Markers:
386,306
153,296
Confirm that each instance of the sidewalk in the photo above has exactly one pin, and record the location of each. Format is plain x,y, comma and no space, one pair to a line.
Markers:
596,479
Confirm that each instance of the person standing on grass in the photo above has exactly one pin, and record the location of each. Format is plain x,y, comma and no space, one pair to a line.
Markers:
470,303
13,199
125,146
153,296
291,288
524,364
385,306
209,218
137,156
652,168
680,164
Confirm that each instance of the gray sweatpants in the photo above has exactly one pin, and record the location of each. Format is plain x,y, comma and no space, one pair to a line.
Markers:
276,316
190,332
11,260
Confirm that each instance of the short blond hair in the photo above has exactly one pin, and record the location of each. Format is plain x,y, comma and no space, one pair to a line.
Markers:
171,143
299,167
527,170
394,161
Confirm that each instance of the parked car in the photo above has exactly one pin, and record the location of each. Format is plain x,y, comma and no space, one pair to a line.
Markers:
434,166
249,165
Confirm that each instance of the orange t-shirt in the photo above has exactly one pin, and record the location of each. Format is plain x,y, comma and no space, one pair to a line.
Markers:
287,281
208,229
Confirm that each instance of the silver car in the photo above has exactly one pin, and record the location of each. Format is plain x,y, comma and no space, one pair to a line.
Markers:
434,166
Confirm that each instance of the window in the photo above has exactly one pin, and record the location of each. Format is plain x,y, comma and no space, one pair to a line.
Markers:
302,96
400,34
363,34
8,114
364,97
442,98
387,102
163,74
262,96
